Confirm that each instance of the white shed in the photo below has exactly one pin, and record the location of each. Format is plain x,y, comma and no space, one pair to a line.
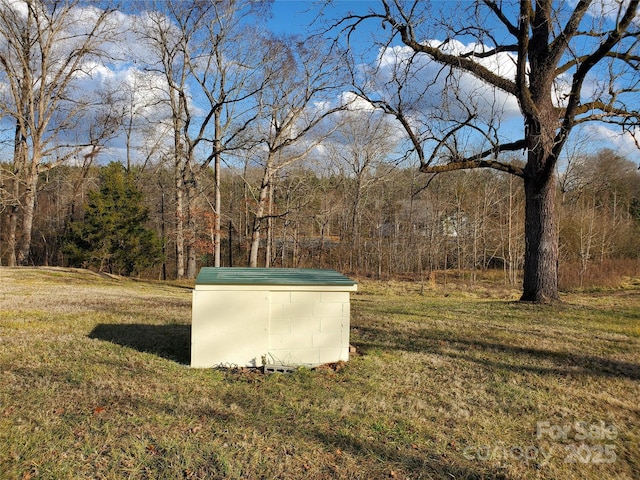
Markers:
250,317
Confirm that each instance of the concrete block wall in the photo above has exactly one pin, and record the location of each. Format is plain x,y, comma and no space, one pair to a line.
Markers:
308,328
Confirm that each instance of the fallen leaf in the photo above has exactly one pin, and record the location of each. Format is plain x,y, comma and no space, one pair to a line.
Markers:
30,474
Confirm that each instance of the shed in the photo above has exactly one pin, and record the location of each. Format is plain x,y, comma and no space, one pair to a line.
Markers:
250,317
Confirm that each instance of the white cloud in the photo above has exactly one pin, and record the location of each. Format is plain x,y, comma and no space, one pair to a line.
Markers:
624,143
434,99
428,88
608,9
20,7
356,103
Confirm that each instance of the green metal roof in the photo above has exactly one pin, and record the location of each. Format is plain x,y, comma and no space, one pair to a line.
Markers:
271,276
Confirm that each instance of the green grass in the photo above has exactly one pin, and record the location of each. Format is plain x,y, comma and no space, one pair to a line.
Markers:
94,383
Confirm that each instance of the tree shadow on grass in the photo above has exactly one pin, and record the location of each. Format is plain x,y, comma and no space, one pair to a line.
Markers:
564,362
168,341
420,464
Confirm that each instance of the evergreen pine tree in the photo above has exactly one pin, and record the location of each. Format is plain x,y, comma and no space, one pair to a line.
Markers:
113,237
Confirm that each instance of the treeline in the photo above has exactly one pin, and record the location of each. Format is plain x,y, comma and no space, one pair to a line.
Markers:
383,222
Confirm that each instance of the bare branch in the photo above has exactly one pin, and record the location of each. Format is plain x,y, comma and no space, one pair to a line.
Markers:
479,161
457,61
497,10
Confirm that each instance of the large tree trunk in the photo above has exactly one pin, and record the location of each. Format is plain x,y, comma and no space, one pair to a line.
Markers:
180,209
14,212
541,239
19,166
192,227
260,214
269,235
11,240
217,206
28,211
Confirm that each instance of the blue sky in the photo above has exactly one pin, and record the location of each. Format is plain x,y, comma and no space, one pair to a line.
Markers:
289,16
294,16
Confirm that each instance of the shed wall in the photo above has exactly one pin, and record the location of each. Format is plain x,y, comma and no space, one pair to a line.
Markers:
239,325
308,328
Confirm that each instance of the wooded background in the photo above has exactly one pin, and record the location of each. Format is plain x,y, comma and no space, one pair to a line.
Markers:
380,222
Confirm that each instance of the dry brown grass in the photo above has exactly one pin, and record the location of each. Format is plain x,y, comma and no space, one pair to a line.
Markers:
607,274
446,384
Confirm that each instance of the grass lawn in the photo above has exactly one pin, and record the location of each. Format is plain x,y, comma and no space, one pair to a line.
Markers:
95,383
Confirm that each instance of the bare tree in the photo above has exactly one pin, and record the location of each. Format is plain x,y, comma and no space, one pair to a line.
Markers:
598,207
565,66
225,63
359,148
202,51
294,103
46,48
169,47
